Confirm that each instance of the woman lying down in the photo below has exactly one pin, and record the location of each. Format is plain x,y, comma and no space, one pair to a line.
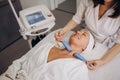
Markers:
52,63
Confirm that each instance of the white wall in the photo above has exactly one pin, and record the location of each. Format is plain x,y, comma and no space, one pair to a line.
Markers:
51,4
57,2
30,3
60,1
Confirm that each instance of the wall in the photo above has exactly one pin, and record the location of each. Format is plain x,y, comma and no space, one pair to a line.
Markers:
78,1
51,4
30,3
60,1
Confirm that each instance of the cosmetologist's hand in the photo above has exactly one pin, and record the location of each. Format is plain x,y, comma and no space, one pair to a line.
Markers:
95,64
59,35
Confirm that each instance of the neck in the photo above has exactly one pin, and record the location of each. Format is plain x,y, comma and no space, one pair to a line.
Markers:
109,3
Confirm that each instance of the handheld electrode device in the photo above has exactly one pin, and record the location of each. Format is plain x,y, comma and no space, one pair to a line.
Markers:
76,55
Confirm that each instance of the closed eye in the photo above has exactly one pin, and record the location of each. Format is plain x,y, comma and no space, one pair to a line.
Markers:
85,34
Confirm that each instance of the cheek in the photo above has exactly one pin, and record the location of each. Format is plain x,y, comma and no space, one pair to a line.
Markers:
78,42
83,42
73,41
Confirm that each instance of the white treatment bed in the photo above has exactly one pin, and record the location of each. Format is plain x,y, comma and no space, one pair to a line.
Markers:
109,71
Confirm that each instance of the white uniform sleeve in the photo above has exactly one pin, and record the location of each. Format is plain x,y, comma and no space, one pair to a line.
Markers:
80,11
118,37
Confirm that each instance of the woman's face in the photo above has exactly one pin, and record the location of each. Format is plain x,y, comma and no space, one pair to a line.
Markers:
80,38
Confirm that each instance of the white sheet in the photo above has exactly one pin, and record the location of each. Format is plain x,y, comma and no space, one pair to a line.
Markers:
109,71
34,66
32,71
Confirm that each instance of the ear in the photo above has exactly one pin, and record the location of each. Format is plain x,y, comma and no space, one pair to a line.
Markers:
83,49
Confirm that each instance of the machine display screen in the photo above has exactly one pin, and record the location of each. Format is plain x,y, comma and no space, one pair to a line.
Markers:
35,17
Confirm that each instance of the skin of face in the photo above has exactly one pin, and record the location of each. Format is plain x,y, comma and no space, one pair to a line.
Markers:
108,0
80,39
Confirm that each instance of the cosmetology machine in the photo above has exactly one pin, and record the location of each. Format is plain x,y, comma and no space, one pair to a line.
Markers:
34,22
